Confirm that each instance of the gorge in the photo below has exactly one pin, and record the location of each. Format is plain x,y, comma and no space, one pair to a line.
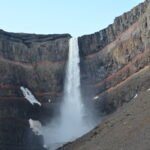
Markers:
114,72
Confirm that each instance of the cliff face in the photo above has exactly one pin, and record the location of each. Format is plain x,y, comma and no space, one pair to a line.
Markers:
115,61
108,58
36,62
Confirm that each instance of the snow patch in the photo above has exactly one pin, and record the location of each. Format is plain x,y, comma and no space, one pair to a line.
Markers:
29,96
45,146
148,89
96,97
136,95
35,126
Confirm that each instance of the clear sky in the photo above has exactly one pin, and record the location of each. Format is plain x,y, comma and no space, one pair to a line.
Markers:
76,17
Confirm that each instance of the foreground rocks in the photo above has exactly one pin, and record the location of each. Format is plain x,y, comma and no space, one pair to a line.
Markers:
126,129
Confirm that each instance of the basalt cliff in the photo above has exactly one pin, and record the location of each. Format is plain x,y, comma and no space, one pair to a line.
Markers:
115,61
115,67
36,62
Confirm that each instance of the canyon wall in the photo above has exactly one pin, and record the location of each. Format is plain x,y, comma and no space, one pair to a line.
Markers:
115,61
34,61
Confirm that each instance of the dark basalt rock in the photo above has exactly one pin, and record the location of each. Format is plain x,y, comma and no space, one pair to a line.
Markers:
15,134
39,66
38,63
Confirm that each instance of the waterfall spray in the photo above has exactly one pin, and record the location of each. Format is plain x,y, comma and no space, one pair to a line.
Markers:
70,124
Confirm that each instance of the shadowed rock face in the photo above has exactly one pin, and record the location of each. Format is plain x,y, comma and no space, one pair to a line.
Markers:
16,135
38,63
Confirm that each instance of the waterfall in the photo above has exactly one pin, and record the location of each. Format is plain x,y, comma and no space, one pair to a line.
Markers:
72,110
70,124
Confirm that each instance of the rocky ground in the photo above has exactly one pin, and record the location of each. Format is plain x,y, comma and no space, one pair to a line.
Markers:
126,129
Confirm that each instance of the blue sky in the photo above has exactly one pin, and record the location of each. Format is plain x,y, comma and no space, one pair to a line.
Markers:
76,17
